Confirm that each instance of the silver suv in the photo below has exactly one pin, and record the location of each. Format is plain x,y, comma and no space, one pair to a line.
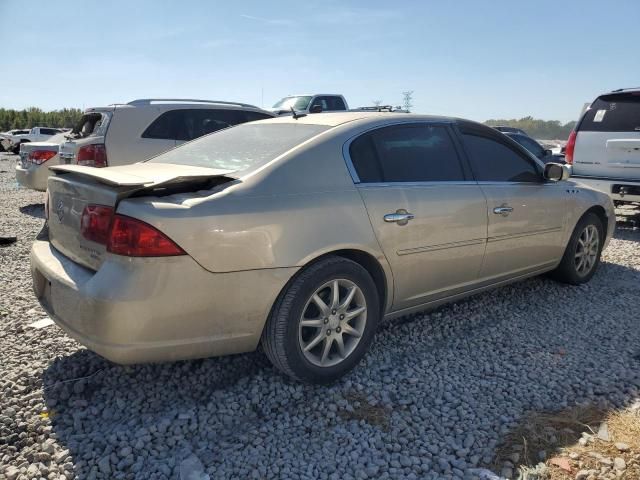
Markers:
129,133
604,148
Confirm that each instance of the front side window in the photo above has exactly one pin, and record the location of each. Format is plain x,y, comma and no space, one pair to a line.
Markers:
493,161
330,103
406,153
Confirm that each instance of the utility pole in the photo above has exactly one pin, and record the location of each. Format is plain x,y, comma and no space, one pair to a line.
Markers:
406,101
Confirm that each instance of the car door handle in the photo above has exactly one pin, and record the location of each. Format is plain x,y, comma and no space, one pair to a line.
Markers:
503,210
401,217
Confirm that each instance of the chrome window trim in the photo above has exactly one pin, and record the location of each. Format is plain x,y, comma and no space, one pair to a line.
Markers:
433,183
347,144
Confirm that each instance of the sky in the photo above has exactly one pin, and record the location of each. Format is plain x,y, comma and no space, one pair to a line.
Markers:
473,59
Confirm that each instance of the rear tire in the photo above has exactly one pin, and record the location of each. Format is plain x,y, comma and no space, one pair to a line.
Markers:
323,322
582,255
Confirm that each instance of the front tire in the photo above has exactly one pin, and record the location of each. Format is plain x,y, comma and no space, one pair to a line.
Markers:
323,322
582,255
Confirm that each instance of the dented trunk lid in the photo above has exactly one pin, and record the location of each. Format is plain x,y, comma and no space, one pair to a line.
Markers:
75,187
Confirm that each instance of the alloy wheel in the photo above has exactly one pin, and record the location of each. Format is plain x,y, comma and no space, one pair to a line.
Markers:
587,250
332,322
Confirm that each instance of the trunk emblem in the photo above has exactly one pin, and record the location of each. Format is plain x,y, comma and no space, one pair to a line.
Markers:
60,210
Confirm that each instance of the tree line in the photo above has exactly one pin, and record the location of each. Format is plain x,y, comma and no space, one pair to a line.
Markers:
536,128
36,117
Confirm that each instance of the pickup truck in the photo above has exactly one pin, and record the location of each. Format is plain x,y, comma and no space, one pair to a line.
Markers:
310,103
5,137
12,142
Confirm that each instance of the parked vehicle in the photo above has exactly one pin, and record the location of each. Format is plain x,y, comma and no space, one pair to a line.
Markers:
35,159
302,234
604,147
310,103
7,137
36,134
541,153
129,133
505,129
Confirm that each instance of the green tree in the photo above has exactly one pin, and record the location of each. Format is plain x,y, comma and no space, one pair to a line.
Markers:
541,129
36,117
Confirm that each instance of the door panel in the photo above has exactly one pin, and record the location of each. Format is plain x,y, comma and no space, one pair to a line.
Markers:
529,236
441,248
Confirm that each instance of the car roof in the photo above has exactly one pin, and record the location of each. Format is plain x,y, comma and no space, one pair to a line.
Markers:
314,95
624,90
333,119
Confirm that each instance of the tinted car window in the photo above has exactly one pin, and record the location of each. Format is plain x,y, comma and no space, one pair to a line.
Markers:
329,103
407,153
253,116
193,123
530,144
493,161
48,131
613,113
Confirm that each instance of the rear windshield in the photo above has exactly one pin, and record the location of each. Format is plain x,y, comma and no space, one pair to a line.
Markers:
613,113
88,124
242,148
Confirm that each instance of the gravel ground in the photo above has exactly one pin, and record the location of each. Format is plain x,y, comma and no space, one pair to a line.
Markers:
434,398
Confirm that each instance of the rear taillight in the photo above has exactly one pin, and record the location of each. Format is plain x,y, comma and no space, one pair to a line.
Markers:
95,223
124,235
134,238
38,157
92,155
571,145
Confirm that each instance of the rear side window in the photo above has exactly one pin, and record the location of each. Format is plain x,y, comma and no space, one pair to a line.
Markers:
48,131
189,124
613,113
493,161
406,153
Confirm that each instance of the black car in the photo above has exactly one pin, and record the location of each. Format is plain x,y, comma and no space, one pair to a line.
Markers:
505,129
534,147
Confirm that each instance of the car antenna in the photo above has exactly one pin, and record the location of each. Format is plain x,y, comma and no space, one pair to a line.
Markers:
297,115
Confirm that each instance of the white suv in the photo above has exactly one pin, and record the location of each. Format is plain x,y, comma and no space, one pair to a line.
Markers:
129,133
604,148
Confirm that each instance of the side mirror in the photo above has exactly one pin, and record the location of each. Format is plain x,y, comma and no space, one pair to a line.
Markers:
316,109
556,172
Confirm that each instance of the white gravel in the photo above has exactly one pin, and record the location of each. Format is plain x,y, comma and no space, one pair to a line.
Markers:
434,397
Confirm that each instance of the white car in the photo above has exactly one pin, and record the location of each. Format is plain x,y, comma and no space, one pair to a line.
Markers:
7,137
36,134
310,103
128,133
604,147
32,171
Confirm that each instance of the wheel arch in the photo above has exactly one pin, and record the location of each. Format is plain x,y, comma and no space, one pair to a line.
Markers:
601,213
381,276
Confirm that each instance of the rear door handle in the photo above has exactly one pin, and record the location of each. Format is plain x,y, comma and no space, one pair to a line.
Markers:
401,217
503,210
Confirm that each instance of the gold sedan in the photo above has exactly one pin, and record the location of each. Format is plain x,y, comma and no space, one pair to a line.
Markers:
303,233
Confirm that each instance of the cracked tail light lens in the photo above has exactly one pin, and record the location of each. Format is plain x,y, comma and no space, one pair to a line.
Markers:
95,223
134,238
38,157
92,155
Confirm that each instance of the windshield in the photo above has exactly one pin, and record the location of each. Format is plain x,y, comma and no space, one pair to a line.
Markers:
298,103
242,148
